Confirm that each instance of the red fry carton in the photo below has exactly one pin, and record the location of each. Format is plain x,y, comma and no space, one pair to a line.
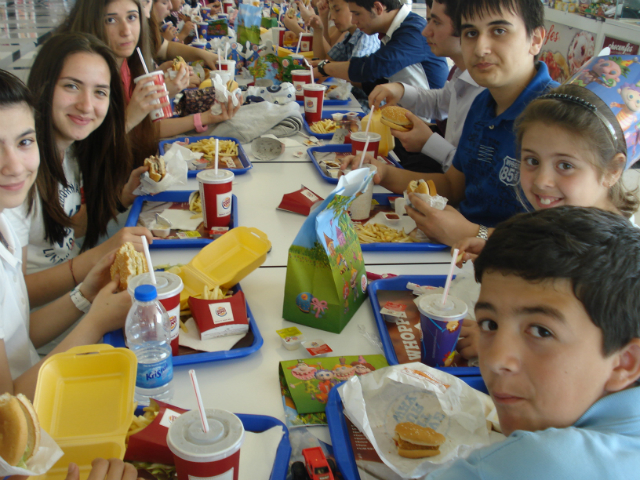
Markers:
218,318
302,201
150,444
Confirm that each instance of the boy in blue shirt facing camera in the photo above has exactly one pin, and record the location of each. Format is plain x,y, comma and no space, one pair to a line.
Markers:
559,348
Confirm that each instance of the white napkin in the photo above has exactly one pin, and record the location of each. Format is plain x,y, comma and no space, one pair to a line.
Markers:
258,454
191,339
175,161
181,219
46,456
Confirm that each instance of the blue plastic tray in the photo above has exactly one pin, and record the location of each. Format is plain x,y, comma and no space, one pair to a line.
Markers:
246,163
338,149
261,423
326,114
400,283
116,338
342,449
329,102
175,196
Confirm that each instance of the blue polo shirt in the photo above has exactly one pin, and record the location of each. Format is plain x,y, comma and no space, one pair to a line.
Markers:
603,444
487,156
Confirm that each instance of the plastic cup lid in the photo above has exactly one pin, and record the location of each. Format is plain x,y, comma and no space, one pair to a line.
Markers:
315,86
362,136
210,176
150,74
167,284
431,306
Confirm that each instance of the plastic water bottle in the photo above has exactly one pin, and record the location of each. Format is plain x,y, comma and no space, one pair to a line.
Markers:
148,335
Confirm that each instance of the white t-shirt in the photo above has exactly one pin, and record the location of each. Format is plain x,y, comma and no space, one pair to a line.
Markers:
41,254
14,304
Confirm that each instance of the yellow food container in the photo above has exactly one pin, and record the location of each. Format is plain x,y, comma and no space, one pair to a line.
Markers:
85,401
285,52
387,142
224,262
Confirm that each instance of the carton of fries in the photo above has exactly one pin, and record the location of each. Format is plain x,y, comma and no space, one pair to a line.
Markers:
147,437
219,318
302,201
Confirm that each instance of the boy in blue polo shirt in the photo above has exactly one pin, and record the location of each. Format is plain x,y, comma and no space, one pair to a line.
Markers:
500,41
559,347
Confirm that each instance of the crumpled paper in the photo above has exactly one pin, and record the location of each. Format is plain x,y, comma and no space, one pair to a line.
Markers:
222,95
258,454
414,392
46,456
342,91
175,161
435,201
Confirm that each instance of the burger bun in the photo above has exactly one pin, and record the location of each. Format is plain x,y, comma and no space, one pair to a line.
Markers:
395,118
414,441
128,263
19,429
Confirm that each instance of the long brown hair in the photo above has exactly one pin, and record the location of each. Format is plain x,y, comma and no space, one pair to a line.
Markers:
104,156
87,16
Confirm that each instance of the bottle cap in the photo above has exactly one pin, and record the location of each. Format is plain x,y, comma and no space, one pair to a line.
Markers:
145,293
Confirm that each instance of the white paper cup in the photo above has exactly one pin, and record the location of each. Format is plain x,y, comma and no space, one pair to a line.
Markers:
360,208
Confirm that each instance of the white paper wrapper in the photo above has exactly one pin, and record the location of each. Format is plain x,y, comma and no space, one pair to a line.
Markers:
222,95
341,92
46,456
435,202
177,169
258,452
414,392
191,339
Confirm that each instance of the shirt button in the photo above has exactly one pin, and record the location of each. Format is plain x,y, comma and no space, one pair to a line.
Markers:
490,127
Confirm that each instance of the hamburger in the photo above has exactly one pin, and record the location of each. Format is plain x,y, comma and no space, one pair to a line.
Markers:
157,167
395,118
178,62
128,263
423,187
19,430
232,85
414,441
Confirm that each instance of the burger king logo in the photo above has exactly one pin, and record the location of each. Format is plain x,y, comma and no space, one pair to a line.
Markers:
221,311
226,203
173,320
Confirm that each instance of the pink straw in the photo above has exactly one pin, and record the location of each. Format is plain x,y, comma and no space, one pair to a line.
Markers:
203,415
373,107
450,276
146,70
216,157
364,151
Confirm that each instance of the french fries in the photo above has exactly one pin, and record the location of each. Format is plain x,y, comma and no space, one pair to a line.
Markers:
141,422
208,147
195,202
379,233
324,126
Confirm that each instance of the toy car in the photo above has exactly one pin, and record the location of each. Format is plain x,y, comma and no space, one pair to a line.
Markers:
317,466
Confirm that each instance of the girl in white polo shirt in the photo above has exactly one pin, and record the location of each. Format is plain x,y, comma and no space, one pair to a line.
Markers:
21,331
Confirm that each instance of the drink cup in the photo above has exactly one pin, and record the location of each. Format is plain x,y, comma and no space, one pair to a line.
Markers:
227,6
299,78
229,66
224,75
360,208
203,30
212,455
157,78
278,36
205,12
215,193
169,286
359,139
440,328
306,44
313,101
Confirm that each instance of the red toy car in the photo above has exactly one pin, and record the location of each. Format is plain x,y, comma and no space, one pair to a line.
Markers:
317,466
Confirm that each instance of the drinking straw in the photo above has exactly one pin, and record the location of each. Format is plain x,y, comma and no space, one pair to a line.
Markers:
226,49
454,256
219,59
299,40
311,69
146,70
145,246
216,172
196,389
366,132
364,152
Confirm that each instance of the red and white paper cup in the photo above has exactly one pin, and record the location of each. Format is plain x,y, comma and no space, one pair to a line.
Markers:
228,65
215,454
306,44
278,36
227,6
359,139
169,287
299,78
313,101
157,78
215,194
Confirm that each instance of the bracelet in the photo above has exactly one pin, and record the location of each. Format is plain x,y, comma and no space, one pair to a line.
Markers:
79,300
197,123
75,282
483,232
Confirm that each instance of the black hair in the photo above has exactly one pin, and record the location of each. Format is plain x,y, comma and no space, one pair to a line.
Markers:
597,251
13,91
368,4
531,11
451,10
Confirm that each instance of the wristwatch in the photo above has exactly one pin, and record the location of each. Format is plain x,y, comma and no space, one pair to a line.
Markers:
79,300
321,68
483,233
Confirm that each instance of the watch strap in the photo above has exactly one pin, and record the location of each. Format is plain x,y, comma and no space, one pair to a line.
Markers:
483,232
321,68
79,300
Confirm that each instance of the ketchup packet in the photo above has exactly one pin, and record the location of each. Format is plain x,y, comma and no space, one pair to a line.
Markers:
301,201
150,444
218,318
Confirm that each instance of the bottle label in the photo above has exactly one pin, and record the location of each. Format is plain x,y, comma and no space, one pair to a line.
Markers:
154,375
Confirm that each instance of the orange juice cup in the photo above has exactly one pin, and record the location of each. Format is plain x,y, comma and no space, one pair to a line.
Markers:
313,101
157,78
215,193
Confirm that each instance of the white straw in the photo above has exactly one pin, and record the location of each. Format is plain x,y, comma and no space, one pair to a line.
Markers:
299,40
145,246
219,59
364,151
203,414
454,256
216,157
311,70
146,70
226,49
373,107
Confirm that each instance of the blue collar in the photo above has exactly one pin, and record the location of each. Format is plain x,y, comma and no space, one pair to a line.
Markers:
617,412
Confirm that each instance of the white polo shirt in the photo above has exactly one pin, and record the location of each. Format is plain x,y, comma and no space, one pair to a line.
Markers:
14,304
